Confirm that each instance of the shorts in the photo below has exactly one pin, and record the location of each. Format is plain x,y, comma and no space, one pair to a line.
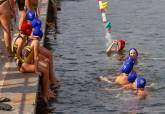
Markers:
21,4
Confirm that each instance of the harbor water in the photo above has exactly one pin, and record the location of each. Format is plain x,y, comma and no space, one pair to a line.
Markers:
79,46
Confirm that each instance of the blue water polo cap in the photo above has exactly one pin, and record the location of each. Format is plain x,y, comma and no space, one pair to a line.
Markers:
140,82
37,32
126,68
36,22
30,15
132,77
130,60
134,50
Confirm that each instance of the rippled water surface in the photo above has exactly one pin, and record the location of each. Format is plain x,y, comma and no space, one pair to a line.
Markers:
79,54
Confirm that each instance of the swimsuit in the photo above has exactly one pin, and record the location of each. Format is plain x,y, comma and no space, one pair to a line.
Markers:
21,4
26,55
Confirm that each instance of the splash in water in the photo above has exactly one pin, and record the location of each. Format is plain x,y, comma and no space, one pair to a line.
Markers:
109,39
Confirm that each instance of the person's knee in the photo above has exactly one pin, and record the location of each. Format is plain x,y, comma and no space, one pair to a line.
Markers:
22,70
43,67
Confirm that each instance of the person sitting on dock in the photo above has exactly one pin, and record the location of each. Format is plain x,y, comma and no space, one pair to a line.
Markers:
36,59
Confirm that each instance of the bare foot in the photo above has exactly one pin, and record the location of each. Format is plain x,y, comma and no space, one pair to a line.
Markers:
45,99
51,95
54,84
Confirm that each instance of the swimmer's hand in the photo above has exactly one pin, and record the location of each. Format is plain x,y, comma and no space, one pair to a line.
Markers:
142,94
105,79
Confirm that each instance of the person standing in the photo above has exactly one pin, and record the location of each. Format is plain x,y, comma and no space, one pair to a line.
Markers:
21,8
6,11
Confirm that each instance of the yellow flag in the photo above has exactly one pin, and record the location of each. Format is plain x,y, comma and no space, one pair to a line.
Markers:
105,6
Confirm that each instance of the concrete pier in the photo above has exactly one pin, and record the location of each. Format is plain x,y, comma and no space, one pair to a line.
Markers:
21,88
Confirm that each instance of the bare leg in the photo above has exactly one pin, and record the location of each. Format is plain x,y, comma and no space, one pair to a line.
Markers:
27,68
44,83
5,22
42,67
48,55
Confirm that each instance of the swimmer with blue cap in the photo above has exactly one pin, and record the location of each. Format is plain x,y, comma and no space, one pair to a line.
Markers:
133,53
122,78
140,84
131,79
137,85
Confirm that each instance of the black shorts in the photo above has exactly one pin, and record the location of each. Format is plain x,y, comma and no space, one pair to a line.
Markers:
21,4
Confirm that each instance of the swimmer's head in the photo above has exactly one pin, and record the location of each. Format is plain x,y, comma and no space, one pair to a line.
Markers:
132,77
121,44
140,82
126,68
133,52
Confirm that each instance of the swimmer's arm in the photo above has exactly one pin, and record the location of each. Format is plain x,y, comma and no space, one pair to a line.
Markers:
143,95
106,79
110,49
127,87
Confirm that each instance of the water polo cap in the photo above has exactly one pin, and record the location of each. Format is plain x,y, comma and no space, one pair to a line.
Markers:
132,76
140,82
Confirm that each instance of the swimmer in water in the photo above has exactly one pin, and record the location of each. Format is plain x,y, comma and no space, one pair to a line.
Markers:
140,84
116,46
137,84
122,78
133,53
131,79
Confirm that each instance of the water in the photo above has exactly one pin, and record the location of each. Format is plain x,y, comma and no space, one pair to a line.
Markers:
79,54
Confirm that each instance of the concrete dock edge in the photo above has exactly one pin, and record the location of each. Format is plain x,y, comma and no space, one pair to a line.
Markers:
21,88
